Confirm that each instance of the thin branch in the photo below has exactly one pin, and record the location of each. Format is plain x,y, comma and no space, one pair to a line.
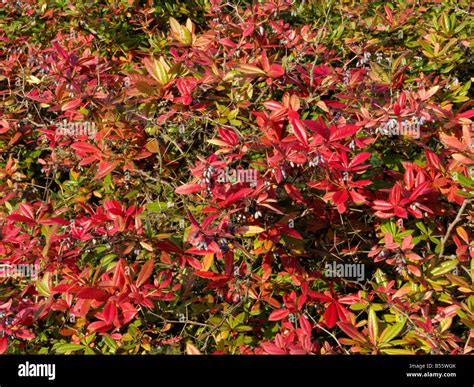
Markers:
186,322
451,226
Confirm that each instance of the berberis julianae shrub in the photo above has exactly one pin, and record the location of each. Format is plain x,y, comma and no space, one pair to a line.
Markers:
236,177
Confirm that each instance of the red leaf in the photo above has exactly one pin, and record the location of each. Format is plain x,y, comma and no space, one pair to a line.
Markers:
3,345
343,131
209,275
330,316
110,312
466,114
279,114
322,297
305,325
19,218
105,168
227,42
272,349
65,288
99,326
433,159
186,85
60,50
294,192
194,263
389,13
276,71
92,294
71,104
27,210
244,192
273,105
248,31
85,147
228,136
128,311
278,314
340,197
54,221
298,128
24,334
382,205
359,159
420,190
409,178
356,197
351,331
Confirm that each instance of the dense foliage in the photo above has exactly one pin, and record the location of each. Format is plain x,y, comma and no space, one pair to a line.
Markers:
183,173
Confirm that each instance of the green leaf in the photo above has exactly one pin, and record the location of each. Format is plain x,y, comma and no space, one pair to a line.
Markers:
396,351
444,267
62,349
373,326
358,306
89,339
156,206
422,227
381,278
391,331
110,343
243,328
377,307
89,351
107,259
42,286
470,303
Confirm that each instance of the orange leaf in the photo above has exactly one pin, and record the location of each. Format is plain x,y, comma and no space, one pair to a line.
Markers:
192,350
207,261
146,246
322,106
145,272
250,69
463,234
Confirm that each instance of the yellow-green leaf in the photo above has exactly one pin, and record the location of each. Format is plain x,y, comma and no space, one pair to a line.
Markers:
249,230
396,351
445,267
373,326
392,331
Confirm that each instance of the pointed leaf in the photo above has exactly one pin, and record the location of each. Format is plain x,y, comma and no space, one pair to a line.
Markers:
391,331
278,314
145,272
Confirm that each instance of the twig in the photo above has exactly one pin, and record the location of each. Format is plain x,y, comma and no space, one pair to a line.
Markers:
186,322
224,319
147,176
330,334
451,226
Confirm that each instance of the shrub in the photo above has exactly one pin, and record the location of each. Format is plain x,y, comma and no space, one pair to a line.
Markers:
266,178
